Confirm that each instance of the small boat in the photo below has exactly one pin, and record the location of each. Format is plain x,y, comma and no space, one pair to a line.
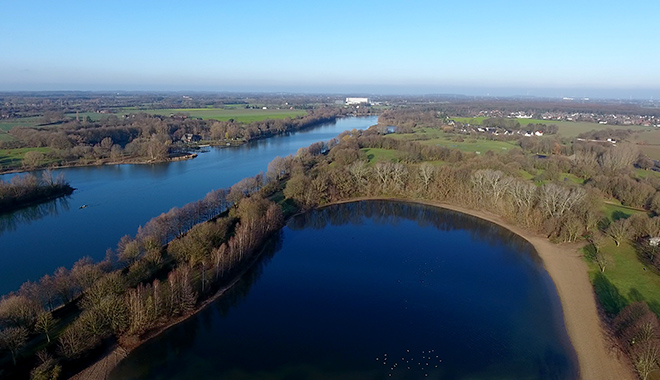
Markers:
83,206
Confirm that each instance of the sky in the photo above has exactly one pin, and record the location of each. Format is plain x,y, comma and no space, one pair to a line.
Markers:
551,48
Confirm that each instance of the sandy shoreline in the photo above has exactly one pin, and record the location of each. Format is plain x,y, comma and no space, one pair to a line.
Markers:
596,357
569,272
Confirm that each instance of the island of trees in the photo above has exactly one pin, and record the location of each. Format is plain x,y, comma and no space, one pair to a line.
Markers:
28,189
604,195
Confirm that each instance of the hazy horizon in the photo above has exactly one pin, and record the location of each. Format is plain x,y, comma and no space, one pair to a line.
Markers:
478,48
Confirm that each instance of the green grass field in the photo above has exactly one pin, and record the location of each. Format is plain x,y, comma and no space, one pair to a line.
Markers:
648,142
14,157
6,125
241,115
4,136
381,155
614,210
625,280
429,136
566,128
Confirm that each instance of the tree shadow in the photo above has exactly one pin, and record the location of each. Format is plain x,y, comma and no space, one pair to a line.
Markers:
618,214
635,296
608,295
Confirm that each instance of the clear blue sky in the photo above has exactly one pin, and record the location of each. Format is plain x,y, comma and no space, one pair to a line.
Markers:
562,48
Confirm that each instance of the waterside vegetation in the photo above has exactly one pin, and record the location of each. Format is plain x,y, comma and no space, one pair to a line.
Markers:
142,137
25,190
179,259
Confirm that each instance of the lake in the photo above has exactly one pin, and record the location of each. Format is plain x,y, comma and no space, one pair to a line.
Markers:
120,198
375,290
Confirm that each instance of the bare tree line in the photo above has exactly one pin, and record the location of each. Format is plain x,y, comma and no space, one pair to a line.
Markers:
119,297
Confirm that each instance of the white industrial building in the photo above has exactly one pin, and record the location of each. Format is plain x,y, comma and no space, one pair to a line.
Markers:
351,101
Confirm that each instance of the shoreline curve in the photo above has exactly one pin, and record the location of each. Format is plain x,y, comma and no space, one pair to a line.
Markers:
597,357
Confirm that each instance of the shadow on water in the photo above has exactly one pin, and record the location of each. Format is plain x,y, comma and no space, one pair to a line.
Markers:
334,313
387,212
181,337
11,220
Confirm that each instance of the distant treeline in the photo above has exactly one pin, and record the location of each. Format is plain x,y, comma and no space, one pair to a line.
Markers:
144,137
28,189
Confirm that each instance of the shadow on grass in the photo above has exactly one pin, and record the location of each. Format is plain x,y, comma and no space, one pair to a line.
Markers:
635,296
618,214
608,295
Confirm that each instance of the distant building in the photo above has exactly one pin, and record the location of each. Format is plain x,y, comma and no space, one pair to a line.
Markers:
189,137
352,101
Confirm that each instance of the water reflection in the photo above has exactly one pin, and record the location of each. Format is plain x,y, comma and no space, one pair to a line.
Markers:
387,212
12,220
342,288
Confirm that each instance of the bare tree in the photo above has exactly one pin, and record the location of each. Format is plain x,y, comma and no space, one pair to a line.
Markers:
426,174
278,168
598,241
45,323
555,199
638,330
523,194
13,339
490,184
19,311
619,230
619,157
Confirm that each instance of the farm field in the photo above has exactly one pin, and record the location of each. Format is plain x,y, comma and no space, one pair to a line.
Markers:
6,125
428,136
241,115
13,157
566,128
648,142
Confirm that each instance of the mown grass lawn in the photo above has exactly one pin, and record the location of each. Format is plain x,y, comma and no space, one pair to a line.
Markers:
626,279
614,210
375,155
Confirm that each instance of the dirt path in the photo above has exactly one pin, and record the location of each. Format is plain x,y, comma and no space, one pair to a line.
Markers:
101,369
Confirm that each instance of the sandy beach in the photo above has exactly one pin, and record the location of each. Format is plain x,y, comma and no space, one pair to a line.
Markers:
597,358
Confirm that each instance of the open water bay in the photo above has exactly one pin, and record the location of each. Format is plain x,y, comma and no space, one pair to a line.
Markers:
375,290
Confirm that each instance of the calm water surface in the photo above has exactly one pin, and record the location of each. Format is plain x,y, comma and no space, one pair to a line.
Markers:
375,290
37,240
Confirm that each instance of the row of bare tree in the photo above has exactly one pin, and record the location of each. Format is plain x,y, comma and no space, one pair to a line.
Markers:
119,297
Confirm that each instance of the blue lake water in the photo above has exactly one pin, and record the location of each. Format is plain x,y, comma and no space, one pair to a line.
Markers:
375,290
120,198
